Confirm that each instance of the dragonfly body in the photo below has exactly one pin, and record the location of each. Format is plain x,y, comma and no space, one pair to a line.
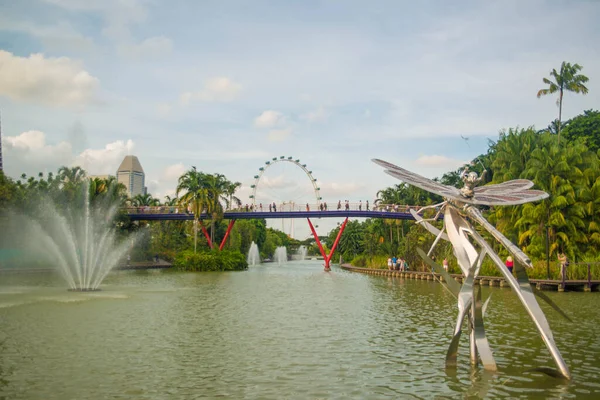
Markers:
460,205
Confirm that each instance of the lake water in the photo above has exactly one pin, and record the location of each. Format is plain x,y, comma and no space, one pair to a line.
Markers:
274,332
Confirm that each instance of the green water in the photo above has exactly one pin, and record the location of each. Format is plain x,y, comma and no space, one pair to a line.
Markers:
273,332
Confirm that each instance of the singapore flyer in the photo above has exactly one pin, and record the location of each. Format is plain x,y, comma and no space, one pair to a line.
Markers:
285,184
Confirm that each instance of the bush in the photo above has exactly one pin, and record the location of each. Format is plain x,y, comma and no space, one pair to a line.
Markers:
359,261
213,260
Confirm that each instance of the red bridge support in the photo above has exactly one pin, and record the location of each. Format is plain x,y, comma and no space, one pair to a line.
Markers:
206,235
210,244
326,257
226,234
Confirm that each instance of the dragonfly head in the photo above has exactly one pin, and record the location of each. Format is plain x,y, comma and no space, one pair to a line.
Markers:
470,180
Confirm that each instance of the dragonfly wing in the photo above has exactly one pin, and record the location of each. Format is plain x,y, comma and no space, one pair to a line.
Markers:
516,185
419,181
509,199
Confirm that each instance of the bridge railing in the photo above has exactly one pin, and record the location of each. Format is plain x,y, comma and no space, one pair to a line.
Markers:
324,206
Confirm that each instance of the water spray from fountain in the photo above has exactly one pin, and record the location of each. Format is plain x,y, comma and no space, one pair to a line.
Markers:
280,255
253,255
78,239
301,253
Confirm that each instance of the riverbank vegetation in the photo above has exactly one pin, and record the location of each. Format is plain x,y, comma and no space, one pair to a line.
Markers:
562,160
569,219
169,240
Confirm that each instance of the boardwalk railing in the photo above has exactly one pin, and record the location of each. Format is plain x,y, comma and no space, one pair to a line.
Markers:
560,285
281,207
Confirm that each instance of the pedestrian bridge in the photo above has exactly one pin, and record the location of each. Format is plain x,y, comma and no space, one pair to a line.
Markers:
154,214
174,213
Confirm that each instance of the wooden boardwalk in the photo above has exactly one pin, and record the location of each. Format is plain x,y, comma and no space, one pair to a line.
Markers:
542,284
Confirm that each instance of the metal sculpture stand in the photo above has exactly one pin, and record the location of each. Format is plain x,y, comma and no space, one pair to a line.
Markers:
457,207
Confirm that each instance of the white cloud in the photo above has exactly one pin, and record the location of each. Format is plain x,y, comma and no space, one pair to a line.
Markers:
61,37
343,190
119,17
106,160
269,119
438,161
166,184
29,153
317,115
52,81
218,90
276,182
152,48
173,172
278,135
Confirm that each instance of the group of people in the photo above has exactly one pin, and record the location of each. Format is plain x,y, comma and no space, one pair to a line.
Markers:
322,206
397,264
347,205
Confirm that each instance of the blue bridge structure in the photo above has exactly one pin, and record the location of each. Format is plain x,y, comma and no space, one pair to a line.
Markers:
142,215
169,213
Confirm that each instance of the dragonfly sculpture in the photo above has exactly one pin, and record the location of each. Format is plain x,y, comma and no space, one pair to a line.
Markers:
470,249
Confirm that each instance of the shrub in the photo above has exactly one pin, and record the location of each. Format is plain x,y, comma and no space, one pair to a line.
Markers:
213,260
359,261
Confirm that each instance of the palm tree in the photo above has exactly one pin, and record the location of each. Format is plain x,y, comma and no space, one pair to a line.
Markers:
143,200
218,189
567,79
195,197
73,175
558,171
230,190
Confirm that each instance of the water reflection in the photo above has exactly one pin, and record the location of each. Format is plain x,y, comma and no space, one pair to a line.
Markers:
290,331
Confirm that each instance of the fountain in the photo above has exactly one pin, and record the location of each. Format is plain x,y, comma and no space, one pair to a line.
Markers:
280,256
301,253
78,239
253,255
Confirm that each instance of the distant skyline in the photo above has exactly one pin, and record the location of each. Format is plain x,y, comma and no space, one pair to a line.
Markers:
226,85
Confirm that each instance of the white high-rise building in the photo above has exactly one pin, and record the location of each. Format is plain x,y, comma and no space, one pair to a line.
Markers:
131,174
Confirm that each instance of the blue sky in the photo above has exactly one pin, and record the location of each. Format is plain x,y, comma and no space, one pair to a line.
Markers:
227,85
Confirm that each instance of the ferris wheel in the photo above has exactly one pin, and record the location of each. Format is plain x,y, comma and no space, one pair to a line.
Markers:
313,187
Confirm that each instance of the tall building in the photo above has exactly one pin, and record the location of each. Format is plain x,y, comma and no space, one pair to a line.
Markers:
131,174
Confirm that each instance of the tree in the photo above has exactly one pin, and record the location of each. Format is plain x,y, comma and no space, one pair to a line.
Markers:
143,200
567,79
585,126
195,197
217,190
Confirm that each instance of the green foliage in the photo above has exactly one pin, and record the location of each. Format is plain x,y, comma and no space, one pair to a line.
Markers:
586,127
213,260
206,193
360,261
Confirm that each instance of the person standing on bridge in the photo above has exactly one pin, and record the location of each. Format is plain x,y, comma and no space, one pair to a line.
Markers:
347,205
270,207
360,205
260,207
325,206
307,207
339,205
274,207
367,205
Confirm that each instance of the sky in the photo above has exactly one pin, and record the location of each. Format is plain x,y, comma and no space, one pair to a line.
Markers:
227,85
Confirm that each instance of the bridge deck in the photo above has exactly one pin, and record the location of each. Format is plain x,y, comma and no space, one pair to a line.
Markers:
167,216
